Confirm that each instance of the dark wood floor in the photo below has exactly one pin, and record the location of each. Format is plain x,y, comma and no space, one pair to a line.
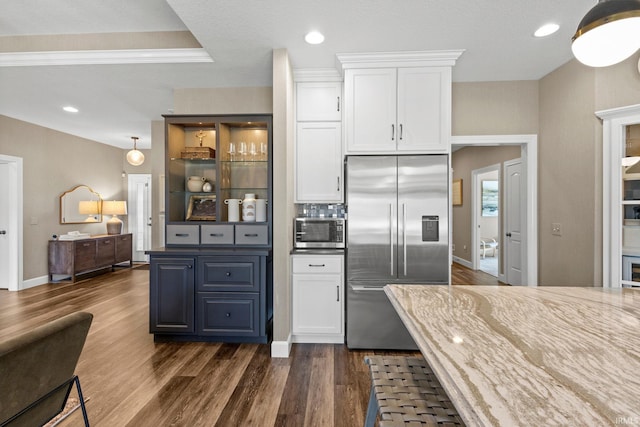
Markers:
132,381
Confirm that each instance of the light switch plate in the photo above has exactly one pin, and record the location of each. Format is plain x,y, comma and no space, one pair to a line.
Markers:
556,229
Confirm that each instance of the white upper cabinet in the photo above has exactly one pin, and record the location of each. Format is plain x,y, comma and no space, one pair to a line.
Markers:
403,109
397,102
318,162
319,101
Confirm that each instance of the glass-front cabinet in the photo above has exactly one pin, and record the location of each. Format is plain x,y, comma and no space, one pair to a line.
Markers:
631,206
218,180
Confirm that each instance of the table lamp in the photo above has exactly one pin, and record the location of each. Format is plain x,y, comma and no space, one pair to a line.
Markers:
115,208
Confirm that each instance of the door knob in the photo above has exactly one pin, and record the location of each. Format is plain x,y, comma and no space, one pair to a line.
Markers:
508,234
3,231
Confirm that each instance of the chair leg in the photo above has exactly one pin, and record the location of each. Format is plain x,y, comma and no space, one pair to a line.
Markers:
76,380
372,409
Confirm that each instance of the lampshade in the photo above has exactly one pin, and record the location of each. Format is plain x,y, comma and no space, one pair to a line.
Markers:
609,33
135,157
114,207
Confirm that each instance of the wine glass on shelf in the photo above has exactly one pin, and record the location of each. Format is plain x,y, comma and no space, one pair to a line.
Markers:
263,151
252,150
232,151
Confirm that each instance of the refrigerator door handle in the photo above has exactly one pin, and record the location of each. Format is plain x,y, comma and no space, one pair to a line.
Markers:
404,238
391,239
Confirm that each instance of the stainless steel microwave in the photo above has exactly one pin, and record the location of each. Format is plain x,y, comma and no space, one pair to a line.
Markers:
319,233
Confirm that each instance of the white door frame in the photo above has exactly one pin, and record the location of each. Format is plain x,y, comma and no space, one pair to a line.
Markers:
476,194
15,229
132,179
529,155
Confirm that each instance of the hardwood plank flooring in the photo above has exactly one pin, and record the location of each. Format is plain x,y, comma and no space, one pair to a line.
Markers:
132,381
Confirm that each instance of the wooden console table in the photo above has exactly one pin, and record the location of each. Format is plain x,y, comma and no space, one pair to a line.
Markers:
73,257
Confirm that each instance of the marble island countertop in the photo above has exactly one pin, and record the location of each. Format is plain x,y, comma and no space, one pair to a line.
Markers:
525,356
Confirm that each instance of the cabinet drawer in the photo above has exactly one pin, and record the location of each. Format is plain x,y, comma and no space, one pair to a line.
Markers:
178,234
317,264
105,251
252,234
85,255
229,274
216,234
226,313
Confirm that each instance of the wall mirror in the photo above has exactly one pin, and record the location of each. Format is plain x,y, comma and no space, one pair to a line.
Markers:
80,205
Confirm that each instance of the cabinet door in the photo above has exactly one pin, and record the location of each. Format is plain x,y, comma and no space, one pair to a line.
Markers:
85,255
370,110
318,101
229,273
424,108
123,248
317,304
171,304
319,162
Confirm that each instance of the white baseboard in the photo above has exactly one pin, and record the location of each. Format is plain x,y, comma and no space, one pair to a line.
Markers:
36,281
318,338
463,262
281,348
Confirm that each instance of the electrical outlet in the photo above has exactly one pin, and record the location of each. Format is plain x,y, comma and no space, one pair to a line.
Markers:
464,248
453,247
556,229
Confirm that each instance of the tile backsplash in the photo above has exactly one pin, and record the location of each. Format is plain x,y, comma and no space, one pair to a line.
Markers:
320,210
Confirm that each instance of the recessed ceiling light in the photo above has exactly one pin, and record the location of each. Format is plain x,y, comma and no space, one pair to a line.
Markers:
546,30
314,37
70,109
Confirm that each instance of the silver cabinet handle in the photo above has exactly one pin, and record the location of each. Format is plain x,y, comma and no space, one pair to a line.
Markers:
250,234
338,104
216,234
400,132
338,186
393,132
316,265
182,235
338,293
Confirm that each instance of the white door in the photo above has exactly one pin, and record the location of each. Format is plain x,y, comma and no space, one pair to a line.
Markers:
11,223
513,222
4,225
139,215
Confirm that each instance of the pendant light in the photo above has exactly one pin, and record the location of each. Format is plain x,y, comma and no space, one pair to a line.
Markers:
135,156
609,33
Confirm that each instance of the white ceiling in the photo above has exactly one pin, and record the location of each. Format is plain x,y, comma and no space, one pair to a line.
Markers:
119,101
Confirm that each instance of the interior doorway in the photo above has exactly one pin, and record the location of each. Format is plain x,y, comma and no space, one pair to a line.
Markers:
139,215
528,252
11,233
486,214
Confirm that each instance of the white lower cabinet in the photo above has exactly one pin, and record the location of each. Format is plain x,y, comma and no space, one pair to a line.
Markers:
318,298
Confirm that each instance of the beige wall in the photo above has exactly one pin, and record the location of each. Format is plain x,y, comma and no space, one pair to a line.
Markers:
54,162
463,162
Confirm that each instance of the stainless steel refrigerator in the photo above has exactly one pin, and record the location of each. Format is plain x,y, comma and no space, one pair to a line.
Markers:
397,232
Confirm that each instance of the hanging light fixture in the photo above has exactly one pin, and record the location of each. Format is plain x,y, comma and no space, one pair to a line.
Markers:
135,156
609,33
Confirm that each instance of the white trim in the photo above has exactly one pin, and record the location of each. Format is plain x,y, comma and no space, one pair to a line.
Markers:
462,261
90,57
15,228
613,144
281,348
318,338
316,75
435,58
529,155
36,281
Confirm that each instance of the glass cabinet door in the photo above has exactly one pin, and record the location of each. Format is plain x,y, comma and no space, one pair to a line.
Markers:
631,191
244,168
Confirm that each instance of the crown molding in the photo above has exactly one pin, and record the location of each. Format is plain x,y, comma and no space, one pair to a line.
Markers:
100,57
434,58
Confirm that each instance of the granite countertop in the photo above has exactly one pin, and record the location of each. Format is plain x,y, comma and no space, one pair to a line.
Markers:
530,356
